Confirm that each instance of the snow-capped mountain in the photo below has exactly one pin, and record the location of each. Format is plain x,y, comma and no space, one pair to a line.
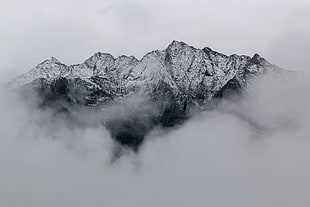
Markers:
175,79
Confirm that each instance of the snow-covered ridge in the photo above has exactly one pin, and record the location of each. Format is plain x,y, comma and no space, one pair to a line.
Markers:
181,66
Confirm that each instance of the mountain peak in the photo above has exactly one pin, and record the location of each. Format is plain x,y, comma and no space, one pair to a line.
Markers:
50,61
103,54
257,59
53,59
177,44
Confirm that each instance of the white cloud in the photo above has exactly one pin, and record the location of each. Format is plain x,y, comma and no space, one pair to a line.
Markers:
218,158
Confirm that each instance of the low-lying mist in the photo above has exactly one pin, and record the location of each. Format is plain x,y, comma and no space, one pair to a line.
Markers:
249,152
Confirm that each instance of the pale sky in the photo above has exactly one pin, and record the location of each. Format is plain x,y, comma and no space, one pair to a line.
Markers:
73,30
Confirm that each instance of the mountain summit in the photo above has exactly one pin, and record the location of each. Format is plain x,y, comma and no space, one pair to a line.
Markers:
173,81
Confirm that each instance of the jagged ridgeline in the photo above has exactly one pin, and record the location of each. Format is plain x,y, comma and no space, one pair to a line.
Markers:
133,96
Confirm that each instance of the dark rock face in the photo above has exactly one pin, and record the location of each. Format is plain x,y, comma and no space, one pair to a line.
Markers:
173,82
130,132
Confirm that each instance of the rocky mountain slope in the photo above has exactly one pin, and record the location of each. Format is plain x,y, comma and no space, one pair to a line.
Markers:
160,89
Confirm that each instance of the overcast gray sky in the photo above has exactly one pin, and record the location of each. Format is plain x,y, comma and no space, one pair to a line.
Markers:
72,30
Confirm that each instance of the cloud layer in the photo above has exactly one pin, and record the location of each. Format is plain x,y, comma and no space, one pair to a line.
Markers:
248,152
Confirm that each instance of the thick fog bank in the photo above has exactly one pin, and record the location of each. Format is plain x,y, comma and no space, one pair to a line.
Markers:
249,152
